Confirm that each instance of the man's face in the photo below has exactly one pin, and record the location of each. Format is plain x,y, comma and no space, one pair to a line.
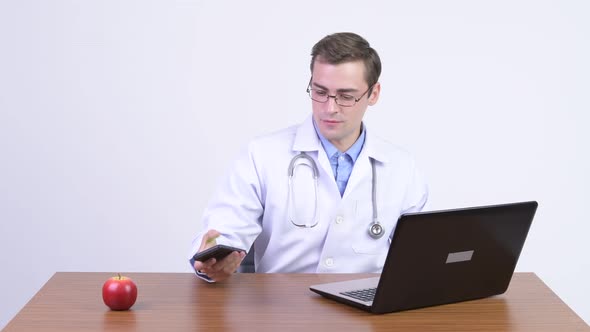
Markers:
339,124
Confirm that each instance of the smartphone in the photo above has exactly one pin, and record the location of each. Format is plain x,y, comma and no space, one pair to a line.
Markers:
218,252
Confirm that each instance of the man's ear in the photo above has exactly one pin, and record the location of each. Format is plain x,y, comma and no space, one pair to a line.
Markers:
374,97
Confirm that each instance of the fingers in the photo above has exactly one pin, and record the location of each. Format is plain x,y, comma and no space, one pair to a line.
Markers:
200,266
220,271
228,264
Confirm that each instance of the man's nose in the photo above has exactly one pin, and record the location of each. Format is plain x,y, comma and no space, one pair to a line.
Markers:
331,104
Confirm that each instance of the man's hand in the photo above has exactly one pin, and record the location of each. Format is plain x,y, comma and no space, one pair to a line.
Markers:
218,270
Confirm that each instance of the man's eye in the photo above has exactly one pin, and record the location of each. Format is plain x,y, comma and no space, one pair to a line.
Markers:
320,92
346,97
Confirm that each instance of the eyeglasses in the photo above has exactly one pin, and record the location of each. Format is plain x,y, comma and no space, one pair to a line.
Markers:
342,99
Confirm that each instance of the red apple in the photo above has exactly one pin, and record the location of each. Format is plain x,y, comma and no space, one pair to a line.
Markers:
119,293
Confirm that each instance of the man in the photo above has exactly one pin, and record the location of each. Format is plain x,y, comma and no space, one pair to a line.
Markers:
348,187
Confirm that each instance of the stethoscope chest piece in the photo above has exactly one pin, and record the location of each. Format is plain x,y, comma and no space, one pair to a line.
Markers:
375,230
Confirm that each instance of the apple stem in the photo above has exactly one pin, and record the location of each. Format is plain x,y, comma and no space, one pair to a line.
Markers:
119,274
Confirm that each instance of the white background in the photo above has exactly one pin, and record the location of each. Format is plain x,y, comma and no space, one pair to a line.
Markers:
118,118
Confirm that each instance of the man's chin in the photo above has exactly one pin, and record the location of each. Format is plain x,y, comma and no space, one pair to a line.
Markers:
330,128
330,133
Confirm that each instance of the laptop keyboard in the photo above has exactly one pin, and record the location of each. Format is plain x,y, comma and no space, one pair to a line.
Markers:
365,295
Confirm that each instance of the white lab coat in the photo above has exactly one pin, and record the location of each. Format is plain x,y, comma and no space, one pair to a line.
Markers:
251,204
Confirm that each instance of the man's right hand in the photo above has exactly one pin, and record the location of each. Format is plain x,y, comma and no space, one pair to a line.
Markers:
222,269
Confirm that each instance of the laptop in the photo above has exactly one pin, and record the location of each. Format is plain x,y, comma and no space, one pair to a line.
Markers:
442,257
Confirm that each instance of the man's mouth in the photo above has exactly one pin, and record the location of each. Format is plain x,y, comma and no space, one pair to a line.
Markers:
329,121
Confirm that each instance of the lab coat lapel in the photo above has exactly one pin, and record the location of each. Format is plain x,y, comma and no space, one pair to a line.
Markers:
306,139
360,172
372,149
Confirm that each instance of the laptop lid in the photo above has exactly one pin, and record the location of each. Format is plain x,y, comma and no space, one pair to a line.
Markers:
446,256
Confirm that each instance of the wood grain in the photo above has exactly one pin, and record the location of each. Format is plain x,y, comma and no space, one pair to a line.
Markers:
276,302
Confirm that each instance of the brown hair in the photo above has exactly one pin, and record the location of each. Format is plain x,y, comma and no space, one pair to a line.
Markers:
345,47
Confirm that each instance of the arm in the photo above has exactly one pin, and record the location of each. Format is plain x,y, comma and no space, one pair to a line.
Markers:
233,217
416,198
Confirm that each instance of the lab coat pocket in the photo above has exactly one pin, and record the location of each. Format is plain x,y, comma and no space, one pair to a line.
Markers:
370,256
374,248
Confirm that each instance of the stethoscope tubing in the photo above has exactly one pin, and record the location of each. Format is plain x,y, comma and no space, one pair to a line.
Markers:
376,231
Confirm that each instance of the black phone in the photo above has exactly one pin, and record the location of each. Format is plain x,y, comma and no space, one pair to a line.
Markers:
218,252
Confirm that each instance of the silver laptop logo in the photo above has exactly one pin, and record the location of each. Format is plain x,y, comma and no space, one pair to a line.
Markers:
460,256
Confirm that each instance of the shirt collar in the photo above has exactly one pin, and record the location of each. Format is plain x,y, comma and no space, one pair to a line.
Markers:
353,151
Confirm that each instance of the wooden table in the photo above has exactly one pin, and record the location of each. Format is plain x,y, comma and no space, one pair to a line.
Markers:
276,302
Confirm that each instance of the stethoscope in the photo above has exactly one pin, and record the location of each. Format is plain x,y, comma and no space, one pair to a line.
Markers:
376,231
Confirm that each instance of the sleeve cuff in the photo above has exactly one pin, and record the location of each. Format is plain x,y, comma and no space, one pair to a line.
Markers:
204,276
200,274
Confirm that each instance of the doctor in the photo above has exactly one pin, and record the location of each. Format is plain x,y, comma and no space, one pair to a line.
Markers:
322,196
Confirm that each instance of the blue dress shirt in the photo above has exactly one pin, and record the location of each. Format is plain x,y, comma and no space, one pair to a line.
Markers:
342,162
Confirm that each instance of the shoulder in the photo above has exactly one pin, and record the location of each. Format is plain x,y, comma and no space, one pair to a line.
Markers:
387,152
278,135
281,139
271,146
399,167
